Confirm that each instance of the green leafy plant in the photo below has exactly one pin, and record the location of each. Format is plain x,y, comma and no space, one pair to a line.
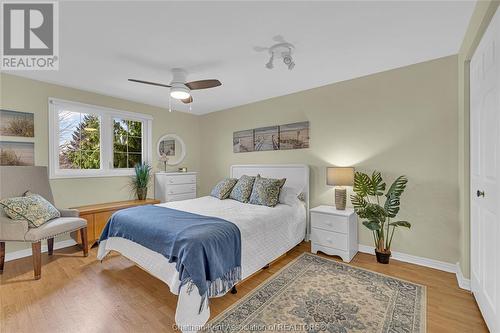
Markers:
140,181
380,219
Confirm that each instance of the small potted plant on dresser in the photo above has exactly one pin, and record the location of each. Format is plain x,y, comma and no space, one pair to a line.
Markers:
379,218
140,181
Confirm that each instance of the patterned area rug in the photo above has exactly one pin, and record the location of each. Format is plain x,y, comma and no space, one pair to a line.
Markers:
315,294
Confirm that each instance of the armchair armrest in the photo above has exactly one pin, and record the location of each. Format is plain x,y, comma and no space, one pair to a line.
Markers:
12,230
69,212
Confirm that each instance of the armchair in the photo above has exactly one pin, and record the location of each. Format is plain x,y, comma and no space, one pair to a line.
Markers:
14,181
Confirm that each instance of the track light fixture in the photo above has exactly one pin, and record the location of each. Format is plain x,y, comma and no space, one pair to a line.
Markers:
281,51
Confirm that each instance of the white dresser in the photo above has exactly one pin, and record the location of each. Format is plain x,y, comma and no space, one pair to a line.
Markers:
334,232
175,186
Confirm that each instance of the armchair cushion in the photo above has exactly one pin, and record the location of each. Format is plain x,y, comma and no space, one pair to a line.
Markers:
69,212
12,230
55,227
33,208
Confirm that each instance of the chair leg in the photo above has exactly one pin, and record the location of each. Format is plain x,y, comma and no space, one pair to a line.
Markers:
85,243
37,259
50,246
2,256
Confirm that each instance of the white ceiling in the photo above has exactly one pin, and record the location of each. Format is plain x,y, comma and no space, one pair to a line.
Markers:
104,43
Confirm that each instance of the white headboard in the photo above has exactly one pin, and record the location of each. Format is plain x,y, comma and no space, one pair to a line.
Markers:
297,176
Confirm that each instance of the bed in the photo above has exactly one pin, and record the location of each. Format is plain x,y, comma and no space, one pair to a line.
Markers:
266,234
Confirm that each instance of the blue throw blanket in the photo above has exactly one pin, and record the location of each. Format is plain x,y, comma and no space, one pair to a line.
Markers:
206,250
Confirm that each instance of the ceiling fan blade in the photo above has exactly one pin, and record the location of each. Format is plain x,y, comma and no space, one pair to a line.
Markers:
187,100
203,84
151,83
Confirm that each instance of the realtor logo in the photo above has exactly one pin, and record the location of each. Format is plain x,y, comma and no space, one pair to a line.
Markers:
30,36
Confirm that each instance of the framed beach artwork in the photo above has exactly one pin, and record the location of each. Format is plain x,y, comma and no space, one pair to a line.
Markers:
243,141
266,138
294,136
13,123
282,137
17,153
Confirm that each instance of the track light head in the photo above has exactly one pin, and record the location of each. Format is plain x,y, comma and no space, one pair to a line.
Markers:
269,64
287,59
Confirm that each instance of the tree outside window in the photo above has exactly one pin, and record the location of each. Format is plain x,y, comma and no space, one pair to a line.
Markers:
79,141
127,143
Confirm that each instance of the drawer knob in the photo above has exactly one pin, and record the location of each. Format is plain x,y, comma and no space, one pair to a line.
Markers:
171,180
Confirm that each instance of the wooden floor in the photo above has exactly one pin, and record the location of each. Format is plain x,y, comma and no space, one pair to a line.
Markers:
78,294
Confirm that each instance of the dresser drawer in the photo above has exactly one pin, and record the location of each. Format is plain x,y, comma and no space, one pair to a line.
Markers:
329,238
180,189
179,197
329,222
178,179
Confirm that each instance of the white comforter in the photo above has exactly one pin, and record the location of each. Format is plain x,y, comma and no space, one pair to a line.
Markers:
266,234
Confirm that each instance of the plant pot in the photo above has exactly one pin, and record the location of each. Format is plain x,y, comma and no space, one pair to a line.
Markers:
383,257
142,193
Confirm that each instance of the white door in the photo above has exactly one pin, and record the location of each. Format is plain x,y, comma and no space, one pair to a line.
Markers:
485,174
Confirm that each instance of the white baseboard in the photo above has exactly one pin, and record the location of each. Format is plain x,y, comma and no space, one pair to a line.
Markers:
462,281
27,252
421,261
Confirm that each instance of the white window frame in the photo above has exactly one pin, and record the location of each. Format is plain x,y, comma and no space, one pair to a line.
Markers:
106,139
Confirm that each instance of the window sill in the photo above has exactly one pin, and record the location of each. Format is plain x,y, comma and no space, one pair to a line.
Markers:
120,173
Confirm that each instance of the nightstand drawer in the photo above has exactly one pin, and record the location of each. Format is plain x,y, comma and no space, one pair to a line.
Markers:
329,222
181,189
329,238
180,179
179,197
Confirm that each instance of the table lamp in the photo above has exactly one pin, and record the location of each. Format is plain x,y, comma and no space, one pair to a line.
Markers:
340,177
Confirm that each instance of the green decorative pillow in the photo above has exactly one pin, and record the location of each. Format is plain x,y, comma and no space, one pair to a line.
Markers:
32,208
223,188
266,191
243,188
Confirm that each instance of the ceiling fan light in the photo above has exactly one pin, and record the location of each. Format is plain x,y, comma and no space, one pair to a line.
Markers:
179,93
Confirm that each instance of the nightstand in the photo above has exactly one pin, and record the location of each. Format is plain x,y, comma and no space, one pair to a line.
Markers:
334,232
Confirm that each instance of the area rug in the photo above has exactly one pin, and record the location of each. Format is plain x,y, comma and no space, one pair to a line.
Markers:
316,294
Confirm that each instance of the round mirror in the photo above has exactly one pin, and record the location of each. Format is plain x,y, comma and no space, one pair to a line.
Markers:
171,149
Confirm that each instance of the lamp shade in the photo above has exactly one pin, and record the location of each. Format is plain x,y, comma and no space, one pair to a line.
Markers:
340,176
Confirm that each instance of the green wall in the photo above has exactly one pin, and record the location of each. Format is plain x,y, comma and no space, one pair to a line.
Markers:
20,94
402,121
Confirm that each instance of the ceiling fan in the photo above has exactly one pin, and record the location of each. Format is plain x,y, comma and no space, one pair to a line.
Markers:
179,88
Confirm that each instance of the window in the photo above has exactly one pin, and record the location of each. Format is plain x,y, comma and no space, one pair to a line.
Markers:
92,141
127,143
79,140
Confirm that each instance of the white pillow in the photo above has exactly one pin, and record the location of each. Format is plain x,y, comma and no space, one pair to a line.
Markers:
289,196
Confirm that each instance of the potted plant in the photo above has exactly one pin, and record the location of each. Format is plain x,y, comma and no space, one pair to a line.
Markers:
140,181
379,218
